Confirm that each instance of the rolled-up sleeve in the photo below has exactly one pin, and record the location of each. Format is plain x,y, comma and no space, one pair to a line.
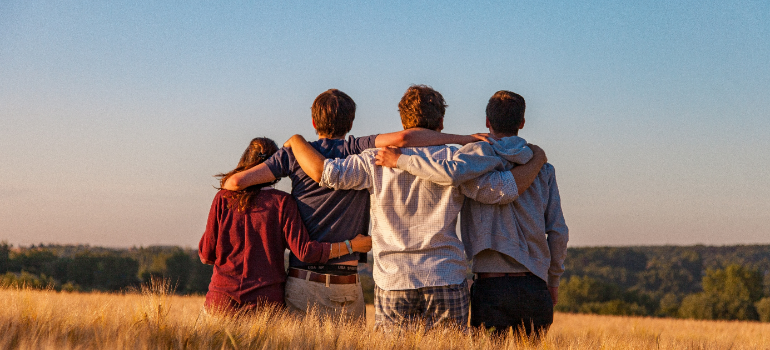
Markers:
351,173
557,232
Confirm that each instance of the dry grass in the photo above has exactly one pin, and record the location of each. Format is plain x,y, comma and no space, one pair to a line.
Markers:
154,319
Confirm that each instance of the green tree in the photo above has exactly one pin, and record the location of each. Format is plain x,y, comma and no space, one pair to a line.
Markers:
588,295
178,268
5,256
669,305
728,294
763,309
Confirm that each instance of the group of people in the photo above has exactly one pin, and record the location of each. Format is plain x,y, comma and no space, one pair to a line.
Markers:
410,186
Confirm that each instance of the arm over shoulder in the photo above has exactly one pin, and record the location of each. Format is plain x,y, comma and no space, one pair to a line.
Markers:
351,173
469,162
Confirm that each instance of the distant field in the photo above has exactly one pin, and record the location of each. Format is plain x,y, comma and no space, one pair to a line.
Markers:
32,319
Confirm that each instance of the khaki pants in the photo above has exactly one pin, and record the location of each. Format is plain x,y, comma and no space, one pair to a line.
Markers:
334,300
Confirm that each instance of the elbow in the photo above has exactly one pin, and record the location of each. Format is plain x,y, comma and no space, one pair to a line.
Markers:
316,176
234,183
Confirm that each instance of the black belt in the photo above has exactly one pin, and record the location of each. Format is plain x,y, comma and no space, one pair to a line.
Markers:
510,274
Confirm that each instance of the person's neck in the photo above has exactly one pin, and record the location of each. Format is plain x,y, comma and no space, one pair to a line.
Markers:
331,137
497,135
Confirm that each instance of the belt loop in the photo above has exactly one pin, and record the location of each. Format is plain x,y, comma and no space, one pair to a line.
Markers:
358,279
328,277
307,275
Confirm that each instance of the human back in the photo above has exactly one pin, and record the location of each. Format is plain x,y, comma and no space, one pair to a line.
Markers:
329,215
247,242
246,234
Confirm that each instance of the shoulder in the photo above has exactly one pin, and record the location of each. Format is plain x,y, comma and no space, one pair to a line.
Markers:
280,159
221,198
548,170
270,192
364,139
221,194
365,156
356,145
480,148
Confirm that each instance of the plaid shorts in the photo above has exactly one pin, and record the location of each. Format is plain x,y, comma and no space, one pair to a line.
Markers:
431,305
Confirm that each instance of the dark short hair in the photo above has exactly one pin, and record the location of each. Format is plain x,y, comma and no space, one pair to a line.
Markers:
505,111
333,112
421,107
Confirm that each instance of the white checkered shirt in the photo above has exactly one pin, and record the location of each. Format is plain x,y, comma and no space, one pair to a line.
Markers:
413,220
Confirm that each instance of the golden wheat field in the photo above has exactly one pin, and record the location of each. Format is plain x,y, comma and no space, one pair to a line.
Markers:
154,319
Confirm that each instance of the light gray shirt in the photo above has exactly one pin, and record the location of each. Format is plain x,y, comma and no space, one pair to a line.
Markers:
530,230
414,238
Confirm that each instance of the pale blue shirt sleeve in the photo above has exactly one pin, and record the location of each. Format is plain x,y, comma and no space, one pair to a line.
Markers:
556,230
467,163
497,187
351,173
471,170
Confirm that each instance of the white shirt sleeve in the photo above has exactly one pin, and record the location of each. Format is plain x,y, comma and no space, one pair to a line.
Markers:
351,173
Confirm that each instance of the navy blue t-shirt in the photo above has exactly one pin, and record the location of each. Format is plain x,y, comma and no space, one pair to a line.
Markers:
329,215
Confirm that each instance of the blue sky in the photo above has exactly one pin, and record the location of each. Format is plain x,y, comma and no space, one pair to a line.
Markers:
114,115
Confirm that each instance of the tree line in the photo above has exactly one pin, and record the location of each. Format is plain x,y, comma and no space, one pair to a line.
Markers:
85,268
701,282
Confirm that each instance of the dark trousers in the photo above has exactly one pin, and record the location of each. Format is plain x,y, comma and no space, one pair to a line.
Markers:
518,302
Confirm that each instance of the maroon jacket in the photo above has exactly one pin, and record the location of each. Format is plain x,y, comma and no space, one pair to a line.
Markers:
247,248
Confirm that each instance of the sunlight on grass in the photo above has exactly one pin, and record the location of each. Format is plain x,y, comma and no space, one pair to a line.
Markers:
155,318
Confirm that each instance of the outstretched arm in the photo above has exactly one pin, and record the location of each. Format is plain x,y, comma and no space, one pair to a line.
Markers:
311,162
454,172
526,174
257,175
504,187
419,137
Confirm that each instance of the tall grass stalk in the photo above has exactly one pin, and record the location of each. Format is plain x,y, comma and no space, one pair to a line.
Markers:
155,318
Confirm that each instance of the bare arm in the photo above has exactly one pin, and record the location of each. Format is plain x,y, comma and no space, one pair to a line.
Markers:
419,137
525,175
311,162
257,175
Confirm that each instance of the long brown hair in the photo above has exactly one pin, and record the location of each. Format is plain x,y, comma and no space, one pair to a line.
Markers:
258,151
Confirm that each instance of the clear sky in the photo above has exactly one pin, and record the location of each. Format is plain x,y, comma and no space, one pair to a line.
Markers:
115,115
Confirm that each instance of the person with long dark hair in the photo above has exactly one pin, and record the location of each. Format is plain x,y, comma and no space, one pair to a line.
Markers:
246,235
